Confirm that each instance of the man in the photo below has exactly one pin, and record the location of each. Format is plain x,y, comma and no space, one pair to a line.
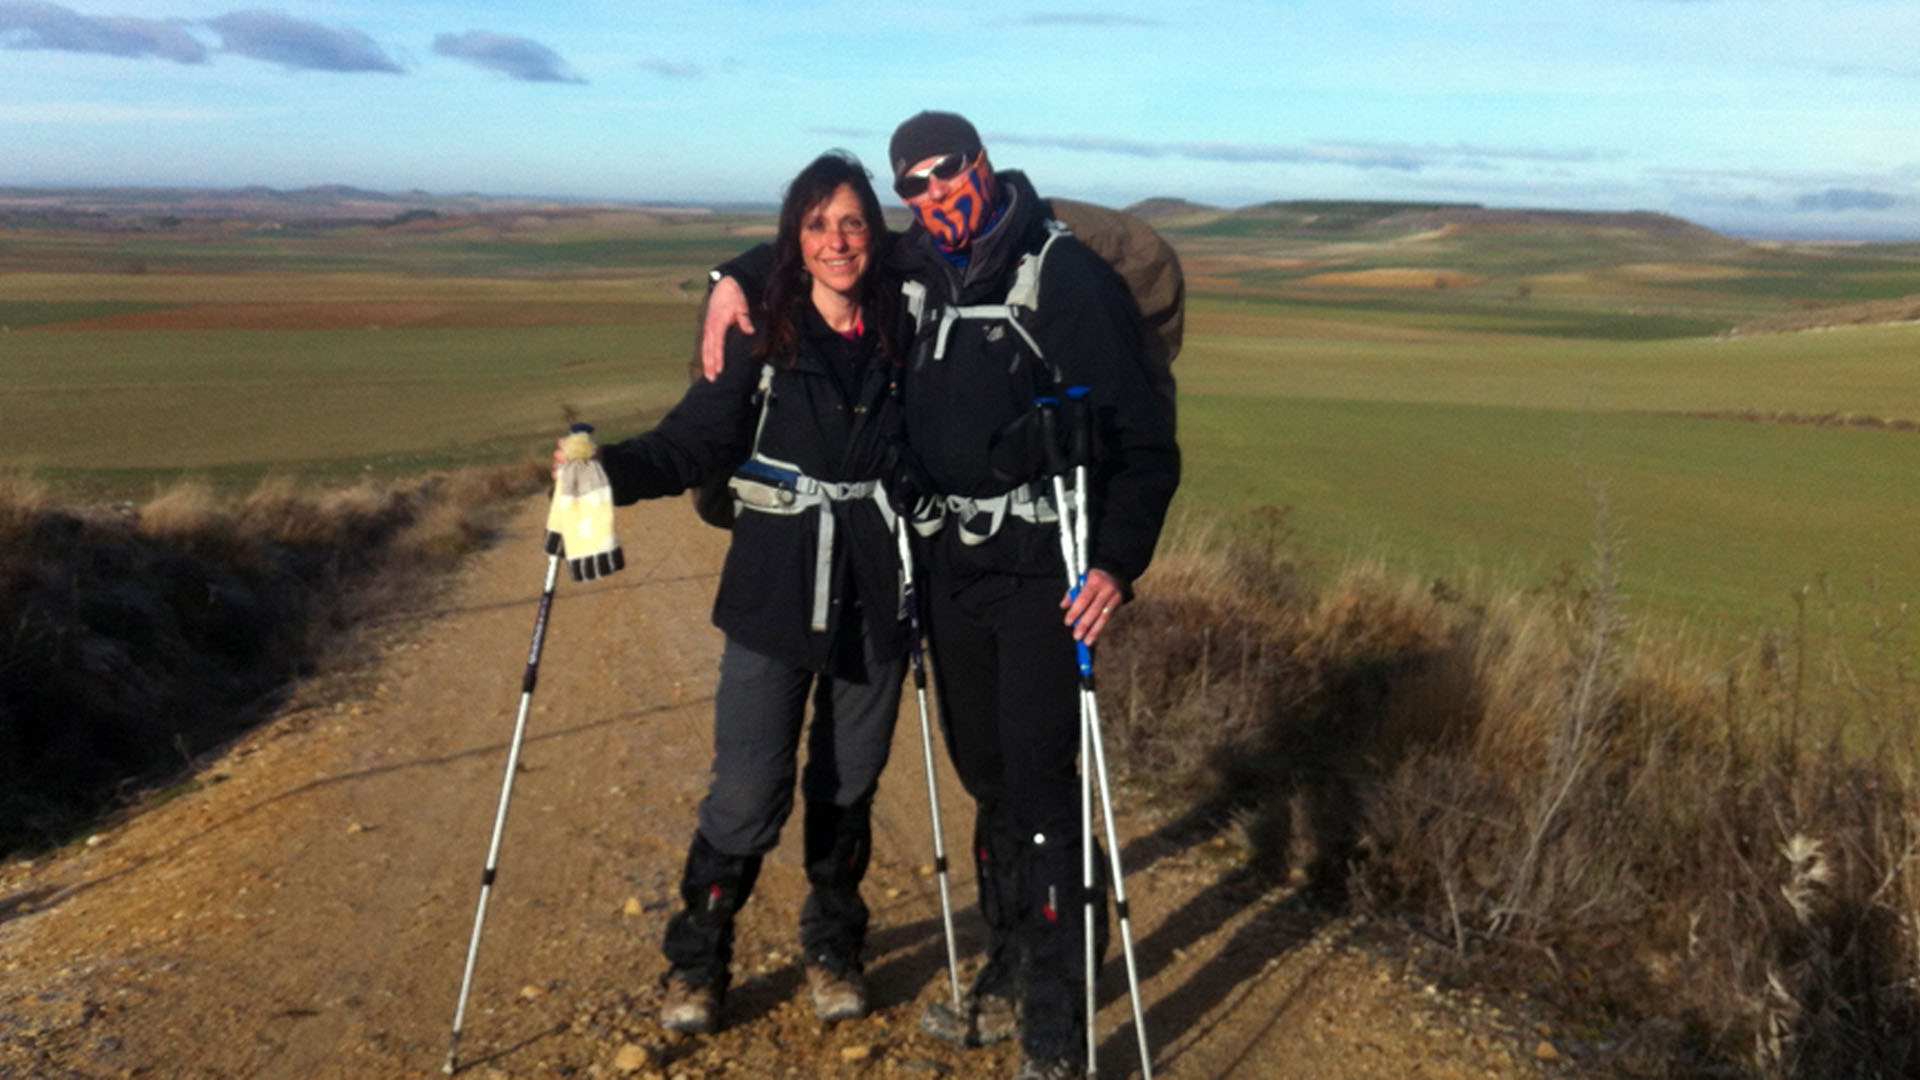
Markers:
1002,634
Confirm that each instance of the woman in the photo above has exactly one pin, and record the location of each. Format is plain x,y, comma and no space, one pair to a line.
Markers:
809,597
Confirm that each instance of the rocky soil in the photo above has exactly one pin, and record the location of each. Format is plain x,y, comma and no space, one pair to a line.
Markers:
302,908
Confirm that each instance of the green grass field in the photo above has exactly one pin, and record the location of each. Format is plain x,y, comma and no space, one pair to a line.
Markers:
1716,522
1453,401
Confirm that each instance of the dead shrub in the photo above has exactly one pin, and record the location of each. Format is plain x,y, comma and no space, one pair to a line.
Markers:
488,485
443,531
184,511
280,511
1706,864
129,645
22,499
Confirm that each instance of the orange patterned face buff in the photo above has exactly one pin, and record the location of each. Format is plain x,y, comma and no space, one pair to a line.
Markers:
963,211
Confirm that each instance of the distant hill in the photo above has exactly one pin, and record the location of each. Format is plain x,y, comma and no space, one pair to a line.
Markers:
1483,218
111,208
145,208
1307,218
1166,207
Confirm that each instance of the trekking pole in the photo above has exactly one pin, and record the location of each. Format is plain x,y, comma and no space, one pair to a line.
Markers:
598,553
911,600
506,794
1070,555
1073,546
1079,450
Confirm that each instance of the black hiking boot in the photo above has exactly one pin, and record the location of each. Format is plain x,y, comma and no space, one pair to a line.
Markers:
699,938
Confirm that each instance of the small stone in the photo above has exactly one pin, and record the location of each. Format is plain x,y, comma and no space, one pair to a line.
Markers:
531,991
632,907
355,829
855,1053
924,870
1546,1051
895,894
631,1058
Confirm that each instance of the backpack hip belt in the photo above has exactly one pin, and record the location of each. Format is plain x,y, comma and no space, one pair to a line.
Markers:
979,517
772,486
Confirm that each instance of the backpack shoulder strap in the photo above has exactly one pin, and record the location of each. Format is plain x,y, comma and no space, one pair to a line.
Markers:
1022,295
915,293
1025,291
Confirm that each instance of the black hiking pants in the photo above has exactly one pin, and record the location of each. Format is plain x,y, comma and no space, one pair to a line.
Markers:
1008,684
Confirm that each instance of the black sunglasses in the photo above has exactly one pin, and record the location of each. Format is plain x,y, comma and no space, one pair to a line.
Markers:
914,184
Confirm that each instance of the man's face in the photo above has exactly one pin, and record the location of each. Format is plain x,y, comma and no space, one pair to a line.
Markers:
957,200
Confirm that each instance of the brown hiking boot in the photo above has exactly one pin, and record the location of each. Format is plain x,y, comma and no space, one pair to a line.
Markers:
836,996
995,1019
983,1019
694,1010
1057,1069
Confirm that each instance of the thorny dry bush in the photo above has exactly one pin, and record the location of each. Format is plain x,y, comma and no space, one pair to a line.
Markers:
1711,867
132,641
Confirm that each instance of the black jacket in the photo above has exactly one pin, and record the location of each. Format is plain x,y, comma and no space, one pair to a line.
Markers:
832,415
1089,330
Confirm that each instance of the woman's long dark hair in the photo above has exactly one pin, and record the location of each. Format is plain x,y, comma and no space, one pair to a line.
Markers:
790,289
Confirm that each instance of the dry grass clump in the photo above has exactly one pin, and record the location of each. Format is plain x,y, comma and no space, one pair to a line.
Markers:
22,498
130,643
188,509
1712,867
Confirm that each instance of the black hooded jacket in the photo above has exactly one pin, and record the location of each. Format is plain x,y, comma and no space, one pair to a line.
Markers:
831,414
1088,329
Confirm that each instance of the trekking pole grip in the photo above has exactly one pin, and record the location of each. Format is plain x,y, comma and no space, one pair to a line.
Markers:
1053,452
1079,414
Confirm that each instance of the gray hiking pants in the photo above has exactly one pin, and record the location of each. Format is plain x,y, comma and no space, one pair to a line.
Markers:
757,718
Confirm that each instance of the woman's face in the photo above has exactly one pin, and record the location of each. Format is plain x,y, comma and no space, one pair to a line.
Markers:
834,239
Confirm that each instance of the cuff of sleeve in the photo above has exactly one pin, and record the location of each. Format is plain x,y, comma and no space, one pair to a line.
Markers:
1120,579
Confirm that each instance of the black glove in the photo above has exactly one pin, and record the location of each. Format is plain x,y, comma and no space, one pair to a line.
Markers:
909,491
1032,446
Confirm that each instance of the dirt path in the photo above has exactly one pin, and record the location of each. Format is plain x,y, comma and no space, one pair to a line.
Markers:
303,909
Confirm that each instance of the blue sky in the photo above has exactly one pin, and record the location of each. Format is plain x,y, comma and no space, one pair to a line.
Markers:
1789,118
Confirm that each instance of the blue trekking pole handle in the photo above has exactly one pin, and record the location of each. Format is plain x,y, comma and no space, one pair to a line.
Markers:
1072,544
1076,451
1080,416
